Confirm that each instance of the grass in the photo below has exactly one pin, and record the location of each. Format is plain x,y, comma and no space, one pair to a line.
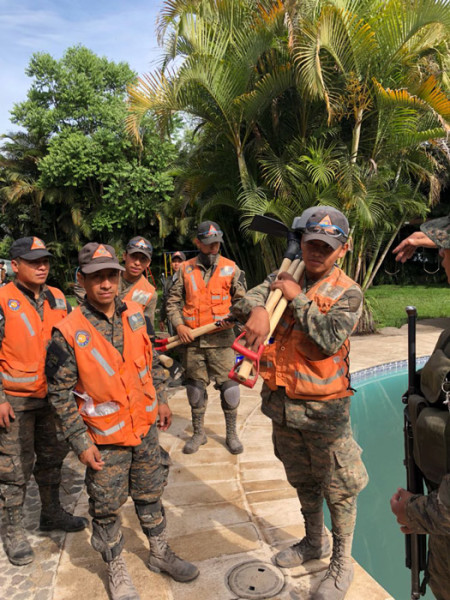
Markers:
388,303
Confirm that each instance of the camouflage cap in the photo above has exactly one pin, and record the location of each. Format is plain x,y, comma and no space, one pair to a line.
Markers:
29,248
438,230
208,232
178,255
140,244
94,257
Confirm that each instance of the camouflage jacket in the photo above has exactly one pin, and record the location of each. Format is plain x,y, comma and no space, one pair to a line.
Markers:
329,331
431,514
19,402
62,374
176,298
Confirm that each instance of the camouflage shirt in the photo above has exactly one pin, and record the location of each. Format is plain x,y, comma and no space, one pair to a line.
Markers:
25,402
328,331
62,373
149,310
176,300
431,514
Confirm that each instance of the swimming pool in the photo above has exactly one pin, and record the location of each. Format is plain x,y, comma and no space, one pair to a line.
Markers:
377,420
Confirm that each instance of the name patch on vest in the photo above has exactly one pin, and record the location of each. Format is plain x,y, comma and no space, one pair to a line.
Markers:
82,338
60,304
14,304
226,271
136,321
140,297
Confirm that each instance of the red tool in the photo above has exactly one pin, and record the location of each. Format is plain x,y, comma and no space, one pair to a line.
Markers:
251,355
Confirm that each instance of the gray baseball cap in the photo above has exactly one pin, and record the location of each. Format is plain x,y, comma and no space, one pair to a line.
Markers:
94,257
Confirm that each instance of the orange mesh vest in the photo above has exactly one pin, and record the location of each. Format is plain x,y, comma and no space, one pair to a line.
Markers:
295,362
125,383
206,303
141,292
22,354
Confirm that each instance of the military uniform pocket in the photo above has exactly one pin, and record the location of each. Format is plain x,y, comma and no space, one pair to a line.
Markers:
11,470
350,475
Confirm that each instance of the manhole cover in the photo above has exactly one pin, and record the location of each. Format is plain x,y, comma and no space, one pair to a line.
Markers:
256,580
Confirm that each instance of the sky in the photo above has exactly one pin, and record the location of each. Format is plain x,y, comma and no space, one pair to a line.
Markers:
121,30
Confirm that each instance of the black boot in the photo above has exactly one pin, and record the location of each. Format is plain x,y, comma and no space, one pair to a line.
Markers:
199,437
53,516
17,547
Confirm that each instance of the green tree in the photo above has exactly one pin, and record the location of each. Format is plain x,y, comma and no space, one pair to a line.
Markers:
309,103
89,179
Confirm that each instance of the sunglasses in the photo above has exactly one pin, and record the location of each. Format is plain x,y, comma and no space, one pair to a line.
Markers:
331,230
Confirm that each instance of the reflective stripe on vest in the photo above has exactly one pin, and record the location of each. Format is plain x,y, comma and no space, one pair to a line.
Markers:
19,379
319,380
152,406
194,283
143,373
140,296
26,320
109,431
99,358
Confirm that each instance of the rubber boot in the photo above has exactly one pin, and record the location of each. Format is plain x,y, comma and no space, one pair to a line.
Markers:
17,547
199,438
339,575
232,441
53,516
119,581
315,544
162,558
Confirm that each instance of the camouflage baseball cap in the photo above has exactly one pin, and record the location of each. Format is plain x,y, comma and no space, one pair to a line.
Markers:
29,248
94,257
438,230
178,255
140,244
209,232
328,225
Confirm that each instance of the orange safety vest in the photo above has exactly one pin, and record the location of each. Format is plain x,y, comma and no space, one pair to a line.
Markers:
23,349
295,362
124,382
141,292
205,304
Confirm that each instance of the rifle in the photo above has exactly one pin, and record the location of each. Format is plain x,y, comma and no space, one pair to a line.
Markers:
415,544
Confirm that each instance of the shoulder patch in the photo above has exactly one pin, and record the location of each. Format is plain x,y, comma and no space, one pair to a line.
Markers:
136,321
189,269
82,338
13,304
56,357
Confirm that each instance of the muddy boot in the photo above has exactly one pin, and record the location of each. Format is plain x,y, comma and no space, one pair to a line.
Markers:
17,547
162,558
232,441
199,438
119,581
339,575
53,516
315,544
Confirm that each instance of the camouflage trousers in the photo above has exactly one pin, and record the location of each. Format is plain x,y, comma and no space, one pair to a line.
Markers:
439,566
30,446
321,459
204,364
134,471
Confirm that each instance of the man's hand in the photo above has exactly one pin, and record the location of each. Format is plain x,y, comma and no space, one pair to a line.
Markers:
408,246
287,284
398,507
6,414
257,328
165,417
92,458
184,333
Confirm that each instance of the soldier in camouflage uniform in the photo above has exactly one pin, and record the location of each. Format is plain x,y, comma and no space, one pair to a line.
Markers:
176,259
429,514
28,442
307,391
204,291
133,283
127,462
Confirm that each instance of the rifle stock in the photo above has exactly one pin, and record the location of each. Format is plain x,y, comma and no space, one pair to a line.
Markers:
415,544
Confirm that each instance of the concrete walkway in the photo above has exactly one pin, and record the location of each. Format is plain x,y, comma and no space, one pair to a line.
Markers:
222,510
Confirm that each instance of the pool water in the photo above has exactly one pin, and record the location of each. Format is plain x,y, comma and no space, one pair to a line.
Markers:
377,421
